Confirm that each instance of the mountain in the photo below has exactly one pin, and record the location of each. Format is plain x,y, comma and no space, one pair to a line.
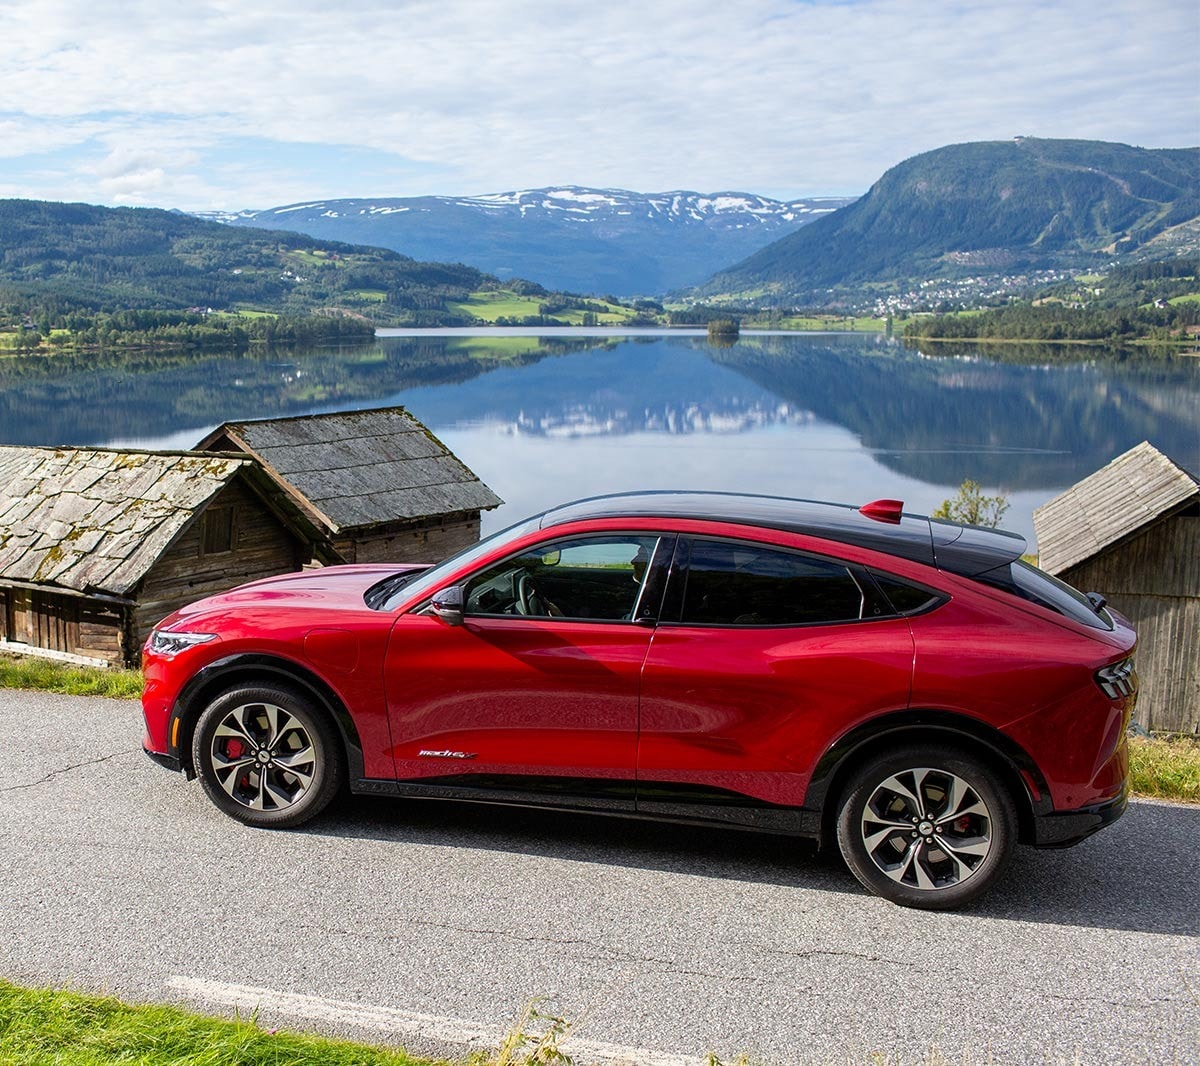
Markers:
568,238
987,208
70,257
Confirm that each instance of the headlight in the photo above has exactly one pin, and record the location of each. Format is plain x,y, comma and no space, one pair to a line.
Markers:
163,642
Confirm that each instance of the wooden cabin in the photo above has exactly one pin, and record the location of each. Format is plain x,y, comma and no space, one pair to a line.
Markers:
1131,532
379,484
96,546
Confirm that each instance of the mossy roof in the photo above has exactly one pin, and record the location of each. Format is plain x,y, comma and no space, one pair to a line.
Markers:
358,469
95,521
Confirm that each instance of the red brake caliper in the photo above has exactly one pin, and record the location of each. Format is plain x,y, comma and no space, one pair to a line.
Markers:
234,749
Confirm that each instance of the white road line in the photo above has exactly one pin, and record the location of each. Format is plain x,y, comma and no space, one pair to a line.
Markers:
248,998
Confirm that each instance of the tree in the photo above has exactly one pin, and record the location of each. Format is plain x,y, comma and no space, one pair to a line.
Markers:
971,507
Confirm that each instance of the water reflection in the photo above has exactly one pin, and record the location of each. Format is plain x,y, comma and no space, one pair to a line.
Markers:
541,419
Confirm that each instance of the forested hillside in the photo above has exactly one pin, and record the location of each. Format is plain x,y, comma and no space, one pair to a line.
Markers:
986,208
63,260
1152,301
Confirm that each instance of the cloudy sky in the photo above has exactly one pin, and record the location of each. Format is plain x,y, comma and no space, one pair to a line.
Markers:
225,104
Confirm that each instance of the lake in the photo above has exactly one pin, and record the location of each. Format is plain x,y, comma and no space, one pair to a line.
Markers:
548,415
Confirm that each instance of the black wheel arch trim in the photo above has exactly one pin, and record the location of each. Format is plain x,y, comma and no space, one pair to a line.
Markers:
1002,752
249,668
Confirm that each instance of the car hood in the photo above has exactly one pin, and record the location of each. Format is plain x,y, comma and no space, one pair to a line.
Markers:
331,587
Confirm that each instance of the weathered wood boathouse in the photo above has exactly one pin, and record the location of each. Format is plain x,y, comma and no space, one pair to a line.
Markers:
1131,531
380,486
96,546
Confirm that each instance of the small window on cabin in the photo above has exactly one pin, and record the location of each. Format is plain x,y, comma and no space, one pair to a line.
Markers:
216,531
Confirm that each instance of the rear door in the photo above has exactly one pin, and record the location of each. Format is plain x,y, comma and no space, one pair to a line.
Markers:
763,655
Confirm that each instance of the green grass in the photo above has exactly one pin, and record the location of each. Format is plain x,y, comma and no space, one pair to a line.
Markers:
21,672
818,322
247,312
39,1027
1187,298
1166,768
490,305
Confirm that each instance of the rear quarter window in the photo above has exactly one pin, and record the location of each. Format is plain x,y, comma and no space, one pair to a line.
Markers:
904,597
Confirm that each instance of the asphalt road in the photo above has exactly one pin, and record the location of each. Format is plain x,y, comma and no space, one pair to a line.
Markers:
431,924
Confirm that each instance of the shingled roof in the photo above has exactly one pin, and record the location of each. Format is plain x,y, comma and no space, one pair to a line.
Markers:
1134,490
95,521
356,469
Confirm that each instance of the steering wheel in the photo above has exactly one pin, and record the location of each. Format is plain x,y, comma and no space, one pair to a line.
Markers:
528,601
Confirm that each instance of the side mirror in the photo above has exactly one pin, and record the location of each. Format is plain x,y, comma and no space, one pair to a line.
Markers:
448,605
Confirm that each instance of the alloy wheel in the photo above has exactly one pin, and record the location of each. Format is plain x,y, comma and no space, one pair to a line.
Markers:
926,829
263,756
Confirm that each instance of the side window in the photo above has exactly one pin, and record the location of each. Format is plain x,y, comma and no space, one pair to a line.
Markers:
595,578
732,583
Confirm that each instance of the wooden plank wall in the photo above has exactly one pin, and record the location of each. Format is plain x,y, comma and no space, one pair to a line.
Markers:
424,542
101,632
55,621
262,547
63,623
1154,580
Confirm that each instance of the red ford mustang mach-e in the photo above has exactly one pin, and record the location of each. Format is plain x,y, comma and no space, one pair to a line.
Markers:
907,687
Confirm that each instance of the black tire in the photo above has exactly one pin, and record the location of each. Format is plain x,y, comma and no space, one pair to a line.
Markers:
267,756
943,855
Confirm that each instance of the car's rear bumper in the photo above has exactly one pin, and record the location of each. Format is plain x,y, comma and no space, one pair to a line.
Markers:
1062,829
169,761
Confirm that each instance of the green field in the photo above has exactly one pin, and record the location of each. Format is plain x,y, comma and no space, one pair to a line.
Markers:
490,305
848,323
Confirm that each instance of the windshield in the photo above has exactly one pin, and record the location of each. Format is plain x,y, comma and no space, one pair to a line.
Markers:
388,594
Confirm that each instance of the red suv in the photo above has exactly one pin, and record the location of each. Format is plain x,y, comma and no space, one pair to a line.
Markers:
906,686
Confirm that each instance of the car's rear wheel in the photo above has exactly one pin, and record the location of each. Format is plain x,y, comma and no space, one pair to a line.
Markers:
267,756
926,827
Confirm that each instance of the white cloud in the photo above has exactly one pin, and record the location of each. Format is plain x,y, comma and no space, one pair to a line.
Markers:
763,95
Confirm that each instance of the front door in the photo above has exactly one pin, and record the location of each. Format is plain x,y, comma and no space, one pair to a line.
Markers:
537,691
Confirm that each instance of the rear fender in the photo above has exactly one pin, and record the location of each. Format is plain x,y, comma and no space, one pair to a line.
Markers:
1026,784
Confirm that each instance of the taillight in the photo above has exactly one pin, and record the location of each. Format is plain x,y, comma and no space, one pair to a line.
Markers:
1117,680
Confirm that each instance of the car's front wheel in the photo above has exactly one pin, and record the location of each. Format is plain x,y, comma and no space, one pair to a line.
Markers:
926,827
267,756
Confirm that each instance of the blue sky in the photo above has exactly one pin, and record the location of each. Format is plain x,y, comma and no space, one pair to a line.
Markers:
227,105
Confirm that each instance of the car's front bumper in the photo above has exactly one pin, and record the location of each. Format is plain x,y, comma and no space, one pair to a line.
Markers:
1062,829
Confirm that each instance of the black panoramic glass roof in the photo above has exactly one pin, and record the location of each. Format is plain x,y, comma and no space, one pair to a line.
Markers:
965,550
